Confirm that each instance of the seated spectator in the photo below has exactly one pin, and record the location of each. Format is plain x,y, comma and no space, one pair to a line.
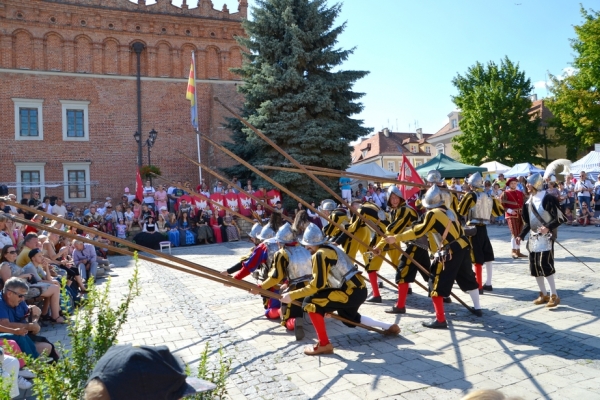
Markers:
8,269
231,228
164,212
187,236
59,259
129,217
59,208
31,229
361,192
203,229
585,215
219,187
22,319
146,213
30,242
127,193
78,216
185,207
173,230
16,234
149,236
137,213
84,257
161,224
6,237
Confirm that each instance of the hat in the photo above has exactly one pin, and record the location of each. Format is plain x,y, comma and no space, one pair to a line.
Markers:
107,204
108,199
33,252
513,179
163,208
145,372
126,190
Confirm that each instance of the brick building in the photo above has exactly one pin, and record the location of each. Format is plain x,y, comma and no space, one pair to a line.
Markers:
68,90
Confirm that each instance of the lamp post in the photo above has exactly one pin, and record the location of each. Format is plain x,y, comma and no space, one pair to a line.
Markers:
152,135
138,47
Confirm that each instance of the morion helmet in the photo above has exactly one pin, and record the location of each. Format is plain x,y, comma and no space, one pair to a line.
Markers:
266,233
393,189
475,180
285,234
313,236
255,231
434,176
328,205
536,181
433,198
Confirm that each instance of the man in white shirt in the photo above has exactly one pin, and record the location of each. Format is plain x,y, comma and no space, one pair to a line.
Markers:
59,208
582,189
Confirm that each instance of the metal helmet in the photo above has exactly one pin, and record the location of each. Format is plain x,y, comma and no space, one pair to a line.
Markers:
536,181
476,180
255,231
393,189
328,205
434,197
266,233
285,234
313,236
434,176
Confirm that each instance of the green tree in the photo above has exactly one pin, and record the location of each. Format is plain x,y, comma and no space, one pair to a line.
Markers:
295,91
576,97
494,101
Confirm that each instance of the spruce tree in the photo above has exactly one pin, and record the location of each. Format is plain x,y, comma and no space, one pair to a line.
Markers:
296,93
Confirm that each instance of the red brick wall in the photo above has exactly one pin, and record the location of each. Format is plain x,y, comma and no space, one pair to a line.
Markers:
49,36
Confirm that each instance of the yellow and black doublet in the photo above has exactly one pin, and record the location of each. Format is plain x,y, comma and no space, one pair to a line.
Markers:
321,298
481,247
279,272
457,265
338,216
371,212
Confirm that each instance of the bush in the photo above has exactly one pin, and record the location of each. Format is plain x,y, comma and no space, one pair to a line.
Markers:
217,375
147,171
92,330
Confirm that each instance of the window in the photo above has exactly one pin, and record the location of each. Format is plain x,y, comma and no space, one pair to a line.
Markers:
440,148
427,149
418,163
28,119
413,148
364,153
454,123
75,120
391,165
30,177
77,179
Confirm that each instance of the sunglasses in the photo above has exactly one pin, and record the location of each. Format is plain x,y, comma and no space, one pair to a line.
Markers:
11,252
21,296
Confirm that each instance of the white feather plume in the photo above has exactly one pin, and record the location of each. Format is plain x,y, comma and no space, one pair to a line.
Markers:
553,166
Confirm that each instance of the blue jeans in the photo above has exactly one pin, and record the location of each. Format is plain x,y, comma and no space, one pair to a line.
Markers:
25,343
84,272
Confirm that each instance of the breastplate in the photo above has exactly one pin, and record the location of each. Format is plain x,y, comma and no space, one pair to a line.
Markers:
300,265
272,247
534,222
481,213
342,271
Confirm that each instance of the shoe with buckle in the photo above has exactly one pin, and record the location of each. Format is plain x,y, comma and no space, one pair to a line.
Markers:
373,299
395,310
488,288
393,330
542,299
298,329
317,349
435,324
554,301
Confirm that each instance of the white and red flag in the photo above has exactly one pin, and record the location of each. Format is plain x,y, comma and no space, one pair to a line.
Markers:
409,174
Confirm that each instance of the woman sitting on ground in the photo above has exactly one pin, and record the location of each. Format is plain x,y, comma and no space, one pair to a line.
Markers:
161,224
149,236
172,227
187,237
203,229
231,228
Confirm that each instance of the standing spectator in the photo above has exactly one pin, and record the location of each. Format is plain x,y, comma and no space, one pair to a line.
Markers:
583,188
84,257
171,196
137,212
553,190
234,180
129,196
219,188
46,206
149,192
379,198
160,197
121,229
185,207
597,197
563,196
501,181
59,208
249,187
204,190
361,192
345,185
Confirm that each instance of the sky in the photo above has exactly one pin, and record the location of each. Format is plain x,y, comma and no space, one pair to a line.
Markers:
414,48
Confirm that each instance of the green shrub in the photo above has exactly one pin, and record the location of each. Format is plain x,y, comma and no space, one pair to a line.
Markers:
217,375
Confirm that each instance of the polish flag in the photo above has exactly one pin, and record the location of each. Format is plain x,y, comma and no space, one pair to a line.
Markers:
409,174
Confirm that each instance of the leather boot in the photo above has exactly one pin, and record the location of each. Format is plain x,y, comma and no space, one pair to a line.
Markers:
317,349
514,254
519,254
554,301
542,299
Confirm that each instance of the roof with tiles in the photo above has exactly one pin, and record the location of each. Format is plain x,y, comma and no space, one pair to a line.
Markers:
395,143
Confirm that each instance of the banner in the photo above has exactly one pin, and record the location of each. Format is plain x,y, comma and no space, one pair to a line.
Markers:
231,201
274,197
409,174
245,203
217,198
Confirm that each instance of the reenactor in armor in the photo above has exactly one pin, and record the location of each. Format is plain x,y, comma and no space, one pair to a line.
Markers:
293,264
541,221
335,285
450,247
254,232
259,264
402,217
477,207
364,232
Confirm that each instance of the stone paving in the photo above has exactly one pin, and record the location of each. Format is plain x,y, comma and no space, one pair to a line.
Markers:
517,347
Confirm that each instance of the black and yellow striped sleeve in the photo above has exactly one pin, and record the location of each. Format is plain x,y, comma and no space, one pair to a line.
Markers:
322,261
277,271
497,208
339,217
467,202
405,216
435,221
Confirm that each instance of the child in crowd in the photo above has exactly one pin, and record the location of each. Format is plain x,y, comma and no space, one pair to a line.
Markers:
129,215
121,229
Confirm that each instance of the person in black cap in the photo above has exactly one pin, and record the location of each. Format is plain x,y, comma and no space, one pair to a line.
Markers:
141,372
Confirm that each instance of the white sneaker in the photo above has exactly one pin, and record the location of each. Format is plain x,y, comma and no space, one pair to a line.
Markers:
24,384
27,374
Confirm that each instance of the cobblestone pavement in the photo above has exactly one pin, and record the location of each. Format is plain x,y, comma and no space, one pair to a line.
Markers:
517,347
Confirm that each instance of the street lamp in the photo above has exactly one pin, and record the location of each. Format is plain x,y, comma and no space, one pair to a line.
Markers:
152,135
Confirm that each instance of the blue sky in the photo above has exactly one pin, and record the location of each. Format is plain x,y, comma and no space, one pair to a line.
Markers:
414,48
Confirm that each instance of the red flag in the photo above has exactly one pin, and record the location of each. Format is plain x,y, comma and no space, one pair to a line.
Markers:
217,210
139,187
409,174
231,201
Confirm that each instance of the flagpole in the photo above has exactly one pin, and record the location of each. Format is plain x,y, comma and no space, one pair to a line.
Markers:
197,119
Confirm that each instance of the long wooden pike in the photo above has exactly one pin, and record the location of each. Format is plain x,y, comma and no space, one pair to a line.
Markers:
252,196
337,173
192,268
330,191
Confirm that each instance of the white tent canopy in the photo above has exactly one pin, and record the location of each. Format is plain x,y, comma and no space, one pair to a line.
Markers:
372,169
495,166
523,169
589,163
